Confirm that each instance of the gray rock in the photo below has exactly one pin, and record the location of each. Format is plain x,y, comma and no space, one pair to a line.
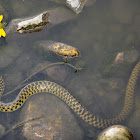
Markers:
87,3
76,5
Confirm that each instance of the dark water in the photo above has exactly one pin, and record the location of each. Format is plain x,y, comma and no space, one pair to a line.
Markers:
99,32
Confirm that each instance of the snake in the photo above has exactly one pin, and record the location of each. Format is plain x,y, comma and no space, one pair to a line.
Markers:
72,102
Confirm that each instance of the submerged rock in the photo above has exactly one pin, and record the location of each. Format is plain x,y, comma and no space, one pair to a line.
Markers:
76,5
120,57
44,47
15,32
64,50
33,24
28,24
36,23
128,56
39,131
116,132
58,121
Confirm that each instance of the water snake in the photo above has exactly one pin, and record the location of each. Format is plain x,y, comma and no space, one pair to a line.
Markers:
81,111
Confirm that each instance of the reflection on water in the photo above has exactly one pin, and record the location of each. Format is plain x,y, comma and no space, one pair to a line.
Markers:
100,32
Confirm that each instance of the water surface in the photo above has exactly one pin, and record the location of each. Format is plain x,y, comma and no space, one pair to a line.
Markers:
99,32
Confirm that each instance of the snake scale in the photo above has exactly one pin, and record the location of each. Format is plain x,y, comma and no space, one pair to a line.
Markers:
81,111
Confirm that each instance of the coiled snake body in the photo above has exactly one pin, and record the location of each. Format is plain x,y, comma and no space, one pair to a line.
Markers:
82,112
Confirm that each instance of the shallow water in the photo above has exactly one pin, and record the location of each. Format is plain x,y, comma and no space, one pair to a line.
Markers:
99,32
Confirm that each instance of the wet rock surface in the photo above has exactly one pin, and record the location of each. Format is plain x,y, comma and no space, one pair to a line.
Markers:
76,5
116,132
28,24
58,121
33,24
47,48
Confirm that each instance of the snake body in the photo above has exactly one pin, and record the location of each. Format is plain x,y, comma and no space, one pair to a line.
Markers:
81,111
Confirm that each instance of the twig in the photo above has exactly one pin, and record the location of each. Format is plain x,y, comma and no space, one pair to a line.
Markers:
52,64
